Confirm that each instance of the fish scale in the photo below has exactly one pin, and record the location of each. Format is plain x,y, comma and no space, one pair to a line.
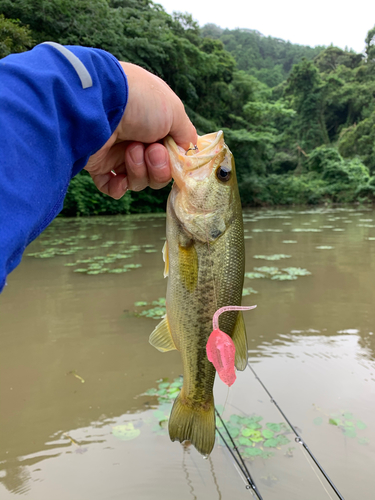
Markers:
205,267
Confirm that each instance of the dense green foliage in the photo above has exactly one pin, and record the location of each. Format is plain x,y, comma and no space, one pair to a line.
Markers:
268,59
13,37
299,120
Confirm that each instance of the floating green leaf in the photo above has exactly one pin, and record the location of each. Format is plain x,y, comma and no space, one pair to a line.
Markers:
361,425
296,271
284,277
125,432
254,275
274,427
267,433
244,441
248,432
282,439
318,421
350,432
334,421
276,256
248,291
267,270
252,452
270,443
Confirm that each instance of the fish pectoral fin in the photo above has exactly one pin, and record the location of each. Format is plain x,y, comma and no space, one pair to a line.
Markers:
166,259
161,337
240,341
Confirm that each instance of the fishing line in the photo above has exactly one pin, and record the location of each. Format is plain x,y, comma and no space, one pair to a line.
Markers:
239,461
314,471
298,438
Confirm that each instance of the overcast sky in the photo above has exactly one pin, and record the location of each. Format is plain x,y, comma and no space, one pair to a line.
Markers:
317,22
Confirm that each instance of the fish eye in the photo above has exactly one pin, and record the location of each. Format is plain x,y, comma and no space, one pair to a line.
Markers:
223,174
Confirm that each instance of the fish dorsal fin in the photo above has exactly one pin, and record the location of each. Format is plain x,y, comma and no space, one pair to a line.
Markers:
188,266
166,259
240,341
161,337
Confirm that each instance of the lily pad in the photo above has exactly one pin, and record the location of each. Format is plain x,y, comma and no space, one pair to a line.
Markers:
252,452
270,443
248,291
267,433
296,271
254,275
277,256
283,277
125,432
267,270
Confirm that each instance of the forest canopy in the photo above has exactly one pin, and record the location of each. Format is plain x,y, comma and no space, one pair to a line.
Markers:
300,121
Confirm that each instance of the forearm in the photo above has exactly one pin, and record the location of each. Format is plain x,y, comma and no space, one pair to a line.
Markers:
49,126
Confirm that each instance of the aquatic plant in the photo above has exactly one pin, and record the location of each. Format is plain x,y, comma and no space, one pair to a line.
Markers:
349,425
248,291
253,438
274,273
158,310
125,432
276,256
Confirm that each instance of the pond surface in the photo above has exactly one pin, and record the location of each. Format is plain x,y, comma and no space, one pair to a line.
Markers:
84,398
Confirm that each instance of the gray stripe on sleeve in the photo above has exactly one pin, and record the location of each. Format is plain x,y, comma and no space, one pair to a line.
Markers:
78,65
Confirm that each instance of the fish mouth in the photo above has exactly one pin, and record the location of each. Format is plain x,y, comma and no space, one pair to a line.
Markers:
207,148
204,147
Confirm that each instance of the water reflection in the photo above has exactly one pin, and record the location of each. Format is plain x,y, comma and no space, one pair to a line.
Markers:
311,339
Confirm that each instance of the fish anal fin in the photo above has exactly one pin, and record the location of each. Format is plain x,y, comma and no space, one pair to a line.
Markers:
194,423
161,337
240,341
188,266
166,259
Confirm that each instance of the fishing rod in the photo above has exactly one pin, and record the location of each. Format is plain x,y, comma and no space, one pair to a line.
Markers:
298,438
240,463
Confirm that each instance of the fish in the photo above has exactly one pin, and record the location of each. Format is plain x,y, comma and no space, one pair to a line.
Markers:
204,261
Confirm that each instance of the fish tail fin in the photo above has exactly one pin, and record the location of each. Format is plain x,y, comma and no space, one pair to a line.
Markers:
190,422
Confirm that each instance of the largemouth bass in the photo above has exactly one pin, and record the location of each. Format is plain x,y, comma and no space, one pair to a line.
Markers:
204,262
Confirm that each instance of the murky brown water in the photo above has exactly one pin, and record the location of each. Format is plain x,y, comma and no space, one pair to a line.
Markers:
311,342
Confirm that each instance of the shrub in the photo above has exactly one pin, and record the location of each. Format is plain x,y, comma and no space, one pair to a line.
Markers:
83,198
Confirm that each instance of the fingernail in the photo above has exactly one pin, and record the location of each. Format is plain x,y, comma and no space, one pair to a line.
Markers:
136,154
125,185
157,157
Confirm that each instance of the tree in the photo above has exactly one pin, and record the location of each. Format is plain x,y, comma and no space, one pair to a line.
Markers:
306,93
370,45
13,37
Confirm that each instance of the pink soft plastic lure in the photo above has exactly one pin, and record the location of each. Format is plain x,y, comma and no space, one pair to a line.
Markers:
221,349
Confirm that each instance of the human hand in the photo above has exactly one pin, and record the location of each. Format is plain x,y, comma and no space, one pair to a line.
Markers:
132,158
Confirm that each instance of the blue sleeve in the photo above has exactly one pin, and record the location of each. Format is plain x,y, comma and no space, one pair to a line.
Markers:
49,127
